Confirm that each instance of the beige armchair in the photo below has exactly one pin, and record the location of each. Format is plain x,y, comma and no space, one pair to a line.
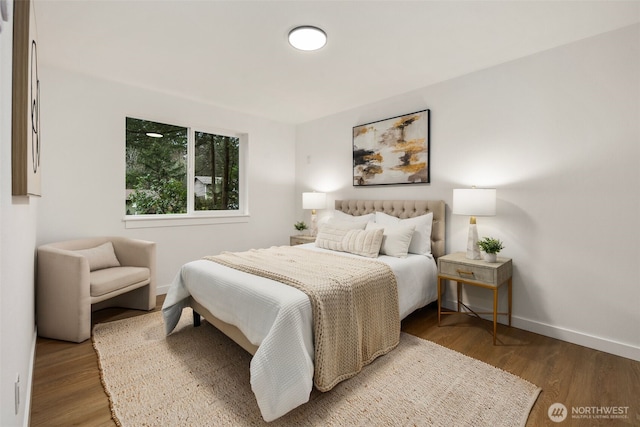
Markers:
77,277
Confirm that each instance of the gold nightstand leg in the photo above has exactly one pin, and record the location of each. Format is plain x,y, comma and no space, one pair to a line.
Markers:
495,313
439,298
509,292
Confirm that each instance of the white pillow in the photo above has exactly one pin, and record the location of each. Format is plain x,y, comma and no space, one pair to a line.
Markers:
396,239
421,241
339,215
365,243
345,225
100,257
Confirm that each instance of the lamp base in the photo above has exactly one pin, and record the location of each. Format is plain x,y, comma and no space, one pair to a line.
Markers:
473,251
314,223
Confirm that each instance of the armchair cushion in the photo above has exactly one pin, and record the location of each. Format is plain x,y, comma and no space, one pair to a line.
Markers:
111,279
100,257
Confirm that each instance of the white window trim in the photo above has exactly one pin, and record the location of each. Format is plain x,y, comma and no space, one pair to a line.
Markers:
181,220
193,217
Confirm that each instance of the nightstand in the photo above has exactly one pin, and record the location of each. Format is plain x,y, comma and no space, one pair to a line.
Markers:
300,239
489,275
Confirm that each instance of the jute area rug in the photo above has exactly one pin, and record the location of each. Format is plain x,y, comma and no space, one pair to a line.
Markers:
199,377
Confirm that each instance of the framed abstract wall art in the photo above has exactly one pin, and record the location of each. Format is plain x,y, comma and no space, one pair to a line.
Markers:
25,124
392,151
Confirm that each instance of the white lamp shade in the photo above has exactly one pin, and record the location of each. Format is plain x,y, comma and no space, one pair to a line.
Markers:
314,200
474,201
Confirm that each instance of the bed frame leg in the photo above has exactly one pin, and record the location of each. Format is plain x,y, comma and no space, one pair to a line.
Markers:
196,319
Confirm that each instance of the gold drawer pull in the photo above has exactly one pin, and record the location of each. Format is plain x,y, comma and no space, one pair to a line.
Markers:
462,272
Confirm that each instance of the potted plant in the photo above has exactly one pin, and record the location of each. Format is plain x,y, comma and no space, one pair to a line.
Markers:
490,247
300,226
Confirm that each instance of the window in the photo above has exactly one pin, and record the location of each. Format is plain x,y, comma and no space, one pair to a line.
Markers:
156,168
216,183
175,171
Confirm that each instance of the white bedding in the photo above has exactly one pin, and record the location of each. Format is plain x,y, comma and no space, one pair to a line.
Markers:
277,318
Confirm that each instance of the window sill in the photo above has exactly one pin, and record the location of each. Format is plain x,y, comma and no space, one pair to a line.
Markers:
181,220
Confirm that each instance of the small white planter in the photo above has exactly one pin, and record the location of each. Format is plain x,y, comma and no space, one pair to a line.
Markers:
490,257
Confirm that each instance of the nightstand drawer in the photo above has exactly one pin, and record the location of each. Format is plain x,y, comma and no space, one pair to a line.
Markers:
458,266
301,239
468,272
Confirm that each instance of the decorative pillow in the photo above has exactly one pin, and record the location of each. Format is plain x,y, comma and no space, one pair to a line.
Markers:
330,235
363,242
100,257
396,240
341,216
421,241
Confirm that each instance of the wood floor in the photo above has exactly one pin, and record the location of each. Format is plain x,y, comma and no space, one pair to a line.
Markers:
67,389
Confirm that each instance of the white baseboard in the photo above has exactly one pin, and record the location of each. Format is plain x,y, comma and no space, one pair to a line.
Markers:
597,343
162,290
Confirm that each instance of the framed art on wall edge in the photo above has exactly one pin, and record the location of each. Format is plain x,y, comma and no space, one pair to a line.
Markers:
25,121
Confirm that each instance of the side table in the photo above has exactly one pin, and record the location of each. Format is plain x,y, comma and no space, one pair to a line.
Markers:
489,275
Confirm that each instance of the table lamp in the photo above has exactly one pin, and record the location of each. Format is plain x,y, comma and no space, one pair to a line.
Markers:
474,202
314,201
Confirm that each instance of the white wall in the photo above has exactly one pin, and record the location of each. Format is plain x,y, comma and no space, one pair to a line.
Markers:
83,172
17,255
557,134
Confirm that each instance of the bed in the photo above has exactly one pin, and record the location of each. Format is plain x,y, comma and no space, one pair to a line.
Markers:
274,321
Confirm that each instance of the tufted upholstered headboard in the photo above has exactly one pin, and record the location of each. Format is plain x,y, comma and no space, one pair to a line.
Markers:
403,209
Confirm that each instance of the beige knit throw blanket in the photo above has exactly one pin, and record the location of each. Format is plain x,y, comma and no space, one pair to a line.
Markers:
354,303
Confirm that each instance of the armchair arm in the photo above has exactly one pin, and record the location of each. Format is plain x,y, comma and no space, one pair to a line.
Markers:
63,302
133,252
138,253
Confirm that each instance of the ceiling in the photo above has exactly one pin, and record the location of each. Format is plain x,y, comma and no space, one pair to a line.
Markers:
234,54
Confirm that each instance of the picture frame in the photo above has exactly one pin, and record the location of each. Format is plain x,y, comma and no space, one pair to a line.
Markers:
393,151
25,126
4,13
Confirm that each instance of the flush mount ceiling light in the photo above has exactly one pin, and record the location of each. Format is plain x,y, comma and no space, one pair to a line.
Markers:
307,37
154,135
